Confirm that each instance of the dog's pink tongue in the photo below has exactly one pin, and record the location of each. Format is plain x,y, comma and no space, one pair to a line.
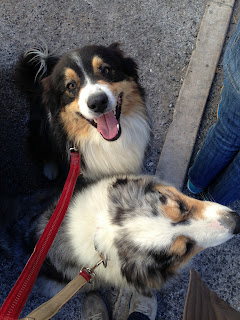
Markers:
107,125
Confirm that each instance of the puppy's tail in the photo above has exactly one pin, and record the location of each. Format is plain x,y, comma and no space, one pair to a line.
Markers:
34,65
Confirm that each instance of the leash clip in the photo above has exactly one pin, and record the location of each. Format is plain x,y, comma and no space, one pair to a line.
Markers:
73,149
91,270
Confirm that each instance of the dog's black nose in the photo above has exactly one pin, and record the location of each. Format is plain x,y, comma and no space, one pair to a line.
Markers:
232,222
236,230
98,102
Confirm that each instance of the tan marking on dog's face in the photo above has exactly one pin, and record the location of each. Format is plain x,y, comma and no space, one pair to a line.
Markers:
75,126
99,65
70,74
179,207
132,99
97,62
71,77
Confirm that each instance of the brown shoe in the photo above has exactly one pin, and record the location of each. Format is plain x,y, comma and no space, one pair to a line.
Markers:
94,308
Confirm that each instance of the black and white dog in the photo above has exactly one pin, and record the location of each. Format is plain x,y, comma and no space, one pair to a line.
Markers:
89,98
146,230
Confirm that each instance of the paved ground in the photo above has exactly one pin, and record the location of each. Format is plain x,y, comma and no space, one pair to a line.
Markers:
160,34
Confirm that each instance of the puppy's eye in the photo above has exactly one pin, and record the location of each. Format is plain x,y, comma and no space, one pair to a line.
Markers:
105,70
71,85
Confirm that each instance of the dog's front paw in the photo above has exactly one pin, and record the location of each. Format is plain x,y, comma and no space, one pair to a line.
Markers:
51,170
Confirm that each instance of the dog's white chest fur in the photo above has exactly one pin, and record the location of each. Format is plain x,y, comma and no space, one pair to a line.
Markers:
90,231
125,155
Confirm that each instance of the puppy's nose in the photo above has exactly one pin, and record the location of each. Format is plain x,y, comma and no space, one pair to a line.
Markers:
232,221
98,102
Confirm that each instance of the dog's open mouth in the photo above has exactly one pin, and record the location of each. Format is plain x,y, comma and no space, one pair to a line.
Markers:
108,124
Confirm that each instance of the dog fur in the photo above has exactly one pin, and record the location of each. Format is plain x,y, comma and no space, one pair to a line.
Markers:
89,98
145,229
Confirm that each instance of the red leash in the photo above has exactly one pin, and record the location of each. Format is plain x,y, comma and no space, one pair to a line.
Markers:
18,296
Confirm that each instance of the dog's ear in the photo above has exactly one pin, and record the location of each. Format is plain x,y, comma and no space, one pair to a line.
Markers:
48,96
129,65
115,46
131,68
46,83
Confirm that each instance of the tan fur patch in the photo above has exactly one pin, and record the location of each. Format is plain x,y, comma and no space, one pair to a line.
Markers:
70,74
194,251
172,211
132,100
179,246
96,63
171,208
75,127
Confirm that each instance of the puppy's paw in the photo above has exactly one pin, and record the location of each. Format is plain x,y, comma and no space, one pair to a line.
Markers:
51,170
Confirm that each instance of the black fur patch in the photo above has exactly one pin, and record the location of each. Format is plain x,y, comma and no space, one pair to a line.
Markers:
162,198
144,269
182,207
120,182
149,188
183,222
120,215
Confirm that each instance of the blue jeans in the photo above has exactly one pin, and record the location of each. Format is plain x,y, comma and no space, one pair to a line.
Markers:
216,167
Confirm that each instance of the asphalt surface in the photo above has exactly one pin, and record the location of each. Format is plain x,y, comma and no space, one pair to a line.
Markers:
160,35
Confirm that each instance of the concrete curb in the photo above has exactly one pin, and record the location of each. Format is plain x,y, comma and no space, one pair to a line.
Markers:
177,149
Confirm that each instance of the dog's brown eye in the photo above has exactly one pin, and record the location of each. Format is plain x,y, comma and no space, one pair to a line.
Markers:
71,85
105,70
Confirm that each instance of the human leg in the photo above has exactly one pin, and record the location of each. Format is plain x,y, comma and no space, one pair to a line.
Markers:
221,143
226,188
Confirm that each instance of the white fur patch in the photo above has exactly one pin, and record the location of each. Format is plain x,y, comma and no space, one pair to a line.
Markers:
89,224
206,232
89,90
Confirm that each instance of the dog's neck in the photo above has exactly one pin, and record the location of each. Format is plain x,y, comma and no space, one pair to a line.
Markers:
122,156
